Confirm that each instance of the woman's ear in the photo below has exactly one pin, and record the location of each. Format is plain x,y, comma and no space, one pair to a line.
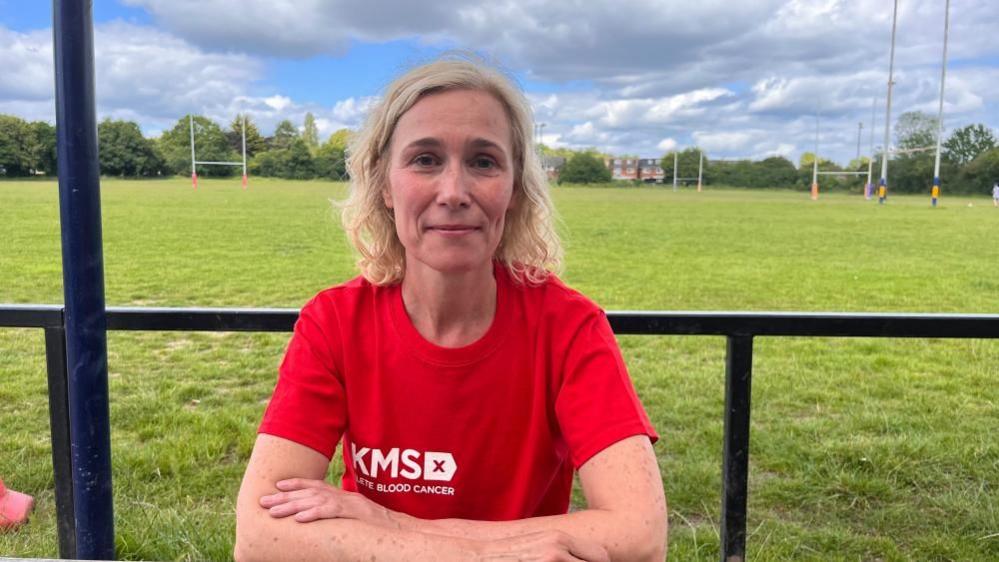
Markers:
387,198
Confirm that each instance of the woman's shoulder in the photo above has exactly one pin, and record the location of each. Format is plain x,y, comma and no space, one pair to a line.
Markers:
343,296
553,296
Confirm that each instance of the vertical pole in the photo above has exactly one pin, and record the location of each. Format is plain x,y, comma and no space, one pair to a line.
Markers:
676,161
891,82
83,278
870,161
244,151
860,128
194,170
943,77
700,170
815,161
735,451
62,459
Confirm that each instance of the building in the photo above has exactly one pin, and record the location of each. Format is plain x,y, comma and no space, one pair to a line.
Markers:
644,169
622,168
553,166
649,170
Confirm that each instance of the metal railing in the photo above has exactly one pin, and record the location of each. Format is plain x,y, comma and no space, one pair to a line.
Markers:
738,327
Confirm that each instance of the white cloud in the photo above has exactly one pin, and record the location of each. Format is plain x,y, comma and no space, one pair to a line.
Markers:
277,103
667,145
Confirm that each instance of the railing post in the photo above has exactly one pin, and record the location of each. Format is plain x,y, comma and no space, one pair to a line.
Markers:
85,317
735,451
62,457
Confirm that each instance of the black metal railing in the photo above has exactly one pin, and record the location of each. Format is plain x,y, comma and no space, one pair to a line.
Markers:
738,327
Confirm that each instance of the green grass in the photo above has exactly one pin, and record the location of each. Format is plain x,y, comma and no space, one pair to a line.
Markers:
862,449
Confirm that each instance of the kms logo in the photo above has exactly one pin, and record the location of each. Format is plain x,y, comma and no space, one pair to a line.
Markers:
405,463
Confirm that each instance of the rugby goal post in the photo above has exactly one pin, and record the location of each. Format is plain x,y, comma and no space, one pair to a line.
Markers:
195,161
700,170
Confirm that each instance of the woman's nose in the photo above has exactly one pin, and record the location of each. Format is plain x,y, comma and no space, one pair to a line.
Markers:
453,188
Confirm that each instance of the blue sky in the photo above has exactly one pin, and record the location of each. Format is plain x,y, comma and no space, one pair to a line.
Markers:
738,78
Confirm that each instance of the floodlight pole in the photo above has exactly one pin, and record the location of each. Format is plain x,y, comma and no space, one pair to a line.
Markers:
943,76
891,71
700,170
85,319
194,171
244,151
870,161
676,161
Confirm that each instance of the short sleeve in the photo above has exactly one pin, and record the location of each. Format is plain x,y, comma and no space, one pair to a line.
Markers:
309,404
596,405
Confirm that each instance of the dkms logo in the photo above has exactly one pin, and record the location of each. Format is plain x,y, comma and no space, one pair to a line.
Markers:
403,463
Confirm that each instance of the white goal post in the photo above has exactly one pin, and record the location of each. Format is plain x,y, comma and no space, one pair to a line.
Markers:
195,161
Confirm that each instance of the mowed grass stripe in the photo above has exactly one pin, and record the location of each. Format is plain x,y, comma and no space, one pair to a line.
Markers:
861,448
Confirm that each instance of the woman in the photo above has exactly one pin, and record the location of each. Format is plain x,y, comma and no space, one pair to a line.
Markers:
466,382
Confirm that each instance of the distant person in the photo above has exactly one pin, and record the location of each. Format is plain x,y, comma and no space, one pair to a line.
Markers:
466,383
882,194
995,194
935,194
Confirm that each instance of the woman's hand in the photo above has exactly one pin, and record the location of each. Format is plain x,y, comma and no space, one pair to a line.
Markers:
310,500
543,546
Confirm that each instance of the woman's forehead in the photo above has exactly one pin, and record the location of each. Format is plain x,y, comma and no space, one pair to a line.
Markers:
455,114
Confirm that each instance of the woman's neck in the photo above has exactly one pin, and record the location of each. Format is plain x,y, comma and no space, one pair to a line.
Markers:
450,309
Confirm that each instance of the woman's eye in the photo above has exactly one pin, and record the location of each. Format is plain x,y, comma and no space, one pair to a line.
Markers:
424,160
484,163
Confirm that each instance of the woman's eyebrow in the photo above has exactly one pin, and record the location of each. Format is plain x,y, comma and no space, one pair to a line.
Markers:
425,142
486,143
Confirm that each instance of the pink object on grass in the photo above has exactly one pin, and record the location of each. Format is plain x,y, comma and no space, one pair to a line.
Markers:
14,507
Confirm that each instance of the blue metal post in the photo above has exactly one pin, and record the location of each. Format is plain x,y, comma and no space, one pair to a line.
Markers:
83,278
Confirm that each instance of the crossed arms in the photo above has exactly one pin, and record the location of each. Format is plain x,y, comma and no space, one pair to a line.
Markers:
286,512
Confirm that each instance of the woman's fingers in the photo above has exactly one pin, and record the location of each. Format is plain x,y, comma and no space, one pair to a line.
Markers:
546,546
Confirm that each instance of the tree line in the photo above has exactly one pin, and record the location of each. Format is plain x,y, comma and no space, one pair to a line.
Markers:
969,163
29,149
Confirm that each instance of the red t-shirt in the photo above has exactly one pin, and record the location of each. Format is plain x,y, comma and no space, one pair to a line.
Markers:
489,431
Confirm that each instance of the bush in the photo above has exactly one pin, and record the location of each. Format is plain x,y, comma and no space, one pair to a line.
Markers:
584,167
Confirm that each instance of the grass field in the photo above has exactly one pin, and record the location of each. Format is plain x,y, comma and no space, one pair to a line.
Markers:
862,449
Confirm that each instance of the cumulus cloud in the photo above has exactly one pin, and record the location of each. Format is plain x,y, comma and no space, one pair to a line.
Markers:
667,145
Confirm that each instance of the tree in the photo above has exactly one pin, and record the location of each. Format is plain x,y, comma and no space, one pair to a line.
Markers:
584,167
915,129
688,161
807,158
284,135
209,140
123,151
339,139
299,164
310,133
255,142
330,161
14,156
42,152
966,143
981,173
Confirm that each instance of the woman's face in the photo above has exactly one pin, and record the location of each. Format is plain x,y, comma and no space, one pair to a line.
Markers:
451,180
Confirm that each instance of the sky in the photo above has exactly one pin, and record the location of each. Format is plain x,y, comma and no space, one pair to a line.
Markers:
738,78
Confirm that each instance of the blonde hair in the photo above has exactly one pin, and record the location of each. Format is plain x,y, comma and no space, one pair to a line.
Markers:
529,248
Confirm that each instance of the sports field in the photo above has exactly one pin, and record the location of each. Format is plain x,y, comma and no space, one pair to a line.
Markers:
862,449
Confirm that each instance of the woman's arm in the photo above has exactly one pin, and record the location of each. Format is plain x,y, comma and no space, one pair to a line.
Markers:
626,509
260,536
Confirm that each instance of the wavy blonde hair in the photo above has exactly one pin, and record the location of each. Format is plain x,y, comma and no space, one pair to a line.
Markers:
529,248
